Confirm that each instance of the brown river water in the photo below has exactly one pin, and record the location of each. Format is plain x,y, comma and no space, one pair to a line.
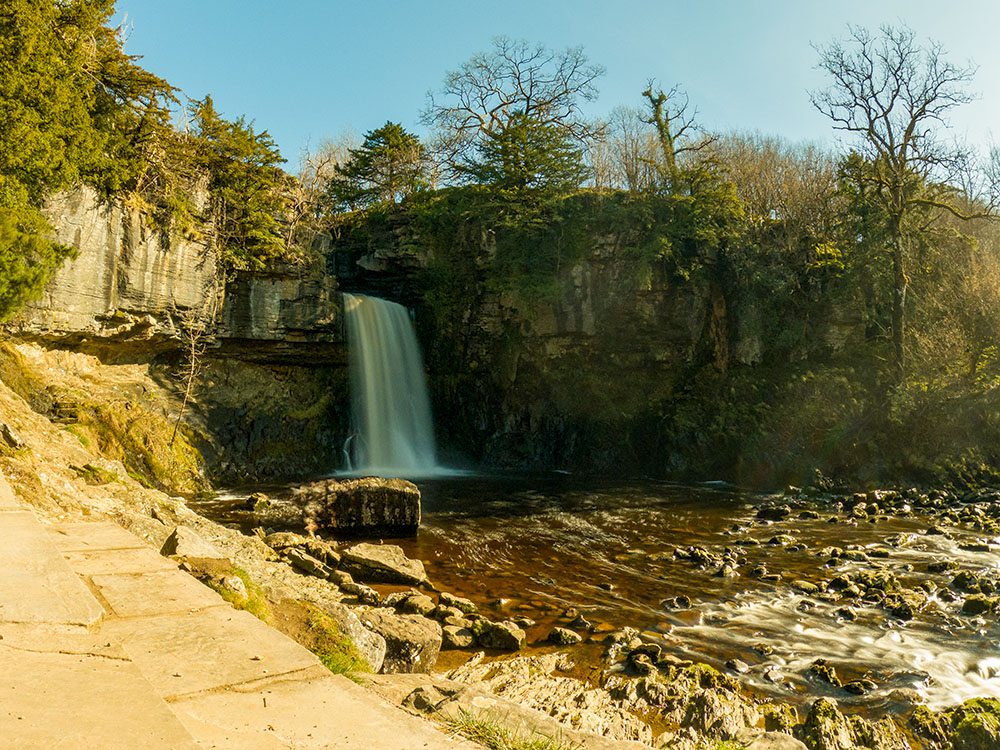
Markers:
554,548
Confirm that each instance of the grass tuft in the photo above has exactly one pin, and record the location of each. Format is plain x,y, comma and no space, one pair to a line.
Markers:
494,736
332,647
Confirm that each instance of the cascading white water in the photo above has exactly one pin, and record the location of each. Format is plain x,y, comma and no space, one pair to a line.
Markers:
390,409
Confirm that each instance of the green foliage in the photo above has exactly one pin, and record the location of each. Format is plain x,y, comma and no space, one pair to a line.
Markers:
255,602
332,647
495,736
388,166
75,108
27,257
527,154
245,185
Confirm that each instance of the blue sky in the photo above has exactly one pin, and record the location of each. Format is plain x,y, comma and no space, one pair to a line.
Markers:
307,69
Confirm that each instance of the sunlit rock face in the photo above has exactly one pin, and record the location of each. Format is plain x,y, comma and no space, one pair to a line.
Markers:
134,286
129,281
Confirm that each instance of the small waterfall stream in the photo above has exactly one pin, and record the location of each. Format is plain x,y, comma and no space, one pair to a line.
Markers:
390,409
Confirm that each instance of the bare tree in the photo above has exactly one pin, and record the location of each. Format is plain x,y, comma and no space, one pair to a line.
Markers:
634,147
893,95
506,86
317,167
676,129
195,326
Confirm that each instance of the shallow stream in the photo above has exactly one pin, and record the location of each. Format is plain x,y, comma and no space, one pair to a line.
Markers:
551,549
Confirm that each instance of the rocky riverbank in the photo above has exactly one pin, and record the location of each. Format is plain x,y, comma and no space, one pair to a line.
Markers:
616,685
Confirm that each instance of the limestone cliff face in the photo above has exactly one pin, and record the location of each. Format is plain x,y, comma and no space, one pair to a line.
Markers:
133,285
128,283
271,399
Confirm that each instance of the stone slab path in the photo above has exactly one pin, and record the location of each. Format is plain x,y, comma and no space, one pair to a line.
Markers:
106,644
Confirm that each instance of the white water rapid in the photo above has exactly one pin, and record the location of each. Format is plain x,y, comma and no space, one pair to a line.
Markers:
390,410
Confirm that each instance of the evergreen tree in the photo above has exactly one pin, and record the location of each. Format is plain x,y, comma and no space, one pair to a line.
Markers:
528,153
387,167
73,107
246,186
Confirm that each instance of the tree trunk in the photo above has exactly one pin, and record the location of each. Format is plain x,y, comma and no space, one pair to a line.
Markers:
899,286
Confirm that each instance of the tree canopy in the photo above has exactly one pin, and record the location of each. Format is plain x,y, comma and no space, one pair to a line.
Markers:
514,85
894,96
389,165
245,183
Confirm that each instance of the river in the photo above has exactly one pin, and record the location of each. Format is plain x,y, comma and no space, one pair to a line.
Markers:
627,554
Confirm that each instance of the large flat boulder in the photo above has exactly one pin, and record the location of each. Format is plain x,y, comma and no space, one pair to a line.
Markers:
382,563
370,506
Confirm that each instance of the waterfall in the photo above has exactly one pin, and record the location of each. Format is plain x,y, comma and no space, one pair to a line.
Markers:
390,410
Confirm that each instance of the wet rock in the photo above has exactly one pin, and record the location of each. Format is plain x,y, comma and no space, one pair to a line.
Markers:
825,728
809,515
773,675
942,566
840,583
860,687
781,540
975,547
764,649
641,665
676,602
384,563
503,636
967,582
453,637
805,587
975,725
370,506
185,542
412,642
825,672
563,637
727,571
978,604
257,503
450,600
774,512
738,666
581,623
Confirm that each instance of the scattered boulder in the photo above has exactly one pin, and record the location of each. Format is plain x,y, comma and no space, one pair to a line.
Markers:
503,636
774,512
416,604
370,506
563,637
306,563
384,563
453,637
280,540
369,644
185,542
412,642
450,600
257,502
